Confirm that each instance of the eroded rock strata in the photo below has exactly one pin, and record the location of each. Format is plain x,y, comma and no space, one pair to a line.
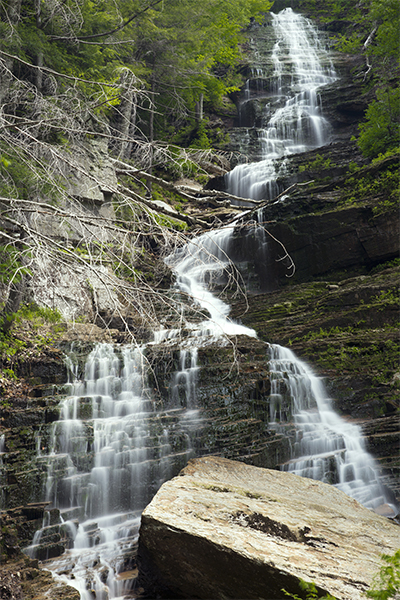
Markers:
224,529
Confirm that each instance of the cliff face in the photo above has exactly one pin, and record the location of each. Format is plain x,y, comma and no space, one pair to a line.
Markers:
340,226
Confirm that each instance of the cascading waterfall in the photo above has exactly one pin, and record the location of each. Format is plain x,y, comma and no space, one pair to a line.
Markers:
108,456
106,460
293,115
200,265
326,447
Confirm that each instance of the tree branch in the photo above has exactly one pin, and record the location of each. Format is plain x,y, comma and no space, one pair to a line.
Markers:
107,33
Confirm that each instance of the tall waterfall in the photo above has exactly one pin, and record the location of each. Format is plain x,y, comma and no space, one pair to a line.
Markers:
292,119
326,447
111,450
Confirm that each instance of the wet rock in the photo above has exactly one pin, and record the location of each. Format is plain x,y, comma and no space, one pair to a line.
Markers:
227,530
21,580
20,576
319,244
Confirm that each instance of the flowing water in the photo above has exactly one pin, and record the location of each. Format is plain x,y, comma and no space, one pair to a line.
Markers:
326,447
109,453
292,120
112,448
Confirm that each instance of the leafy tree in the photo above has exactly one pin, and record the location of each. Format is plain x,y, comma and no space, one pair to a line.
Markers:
386,583
381,129
189,50
386,15
79,71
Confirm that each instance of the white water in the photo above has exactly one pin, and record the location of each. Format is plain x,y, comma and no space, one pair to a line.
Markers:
293,121
327,447
105,463
200,266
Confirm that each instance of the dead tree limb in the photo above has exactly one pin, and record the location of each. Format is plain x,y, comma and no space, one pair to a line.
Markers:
172,214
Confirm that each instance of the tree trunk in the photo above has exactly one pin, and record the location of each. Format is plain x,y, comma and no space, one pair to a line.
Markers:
15,296
39,55
199,109
13,11
127,114
151,137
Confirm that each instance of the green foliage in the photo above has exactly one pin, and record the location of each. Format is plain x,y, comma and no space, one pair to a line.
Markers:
329,9
179,49
188,49
380,188
318,164
9,346
171,223
310,590
9,374
33,312
386,13
377,361
386,265
201,138
381,130
386,583
350,44
375,32
11,267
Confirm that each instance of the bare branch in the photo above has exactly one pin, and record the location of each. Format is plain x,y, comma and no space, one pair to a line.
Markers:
112,31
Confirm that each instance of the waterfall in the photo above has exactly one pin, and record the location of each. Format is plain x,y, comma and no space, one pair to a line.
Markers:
292,120
326,447
109,453
200,266
112,448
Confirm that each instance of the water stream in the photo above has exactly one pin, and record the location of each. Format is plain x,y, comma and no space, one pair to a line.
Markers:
112,449
292,120
109,453
326,447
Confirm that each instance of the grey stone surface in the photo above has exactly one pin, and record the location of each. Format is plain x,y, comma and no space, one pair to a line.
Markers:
224,529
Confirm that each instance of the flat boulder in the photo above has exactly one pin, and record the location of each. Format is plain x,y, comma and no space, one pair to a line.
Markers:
224,529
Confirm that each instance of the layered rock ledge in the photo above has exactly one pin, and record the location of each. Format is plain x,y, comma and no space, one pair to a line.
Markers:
224,529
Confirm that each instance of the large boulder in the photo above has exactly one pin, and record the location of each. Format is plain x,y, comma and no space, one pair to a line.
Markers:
224,529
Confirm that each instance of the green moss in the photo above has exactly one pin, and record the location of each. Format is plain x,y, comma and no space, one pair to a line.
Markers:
379,187
318,164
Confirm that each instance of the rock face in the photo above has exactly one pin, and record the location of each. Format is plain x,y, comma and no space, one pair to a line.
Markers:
224,529
348,330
